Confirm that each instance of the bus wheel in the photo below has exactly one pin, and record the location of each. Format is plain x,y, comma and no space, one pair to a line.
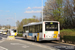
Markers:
35,39
25,37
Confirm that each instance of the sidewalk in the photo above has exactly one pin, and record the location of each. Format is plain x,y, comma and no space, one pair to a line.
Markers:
63,43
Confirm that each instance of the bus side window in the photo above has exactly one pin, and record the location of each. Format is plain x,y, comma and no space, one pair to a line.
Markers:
26,29
23,29
30,29
34,29
37,29
40,28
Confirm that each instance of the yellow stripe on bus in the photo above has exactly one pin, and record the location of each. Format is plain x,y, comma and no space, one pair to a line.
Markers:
38,37
55,34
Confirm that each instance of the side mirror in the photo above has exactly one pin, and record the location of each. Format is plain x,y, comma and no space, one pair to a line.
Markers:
27,31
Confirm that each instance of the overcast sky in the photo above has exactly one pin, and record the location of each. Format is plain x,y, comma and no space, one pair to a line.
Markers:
22,9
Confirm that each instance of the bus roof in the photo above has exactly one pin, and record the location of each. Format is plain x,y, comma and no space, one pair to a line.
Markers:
35,23
32,24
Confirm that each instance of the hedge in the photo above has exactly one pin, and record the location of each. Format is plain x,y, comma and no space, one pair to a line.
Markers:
20,35
67,32
69,38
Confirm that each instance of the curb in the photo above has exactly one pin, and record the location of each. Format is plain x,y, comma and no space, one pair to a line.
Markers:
64,43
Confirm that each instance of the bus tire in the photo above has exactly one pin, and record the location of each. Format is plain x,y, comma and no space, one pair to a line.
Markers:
25,37
35,38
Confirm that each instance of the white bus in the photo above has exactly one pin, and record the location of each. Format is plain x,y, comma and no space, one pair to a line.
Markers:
46,30
12,32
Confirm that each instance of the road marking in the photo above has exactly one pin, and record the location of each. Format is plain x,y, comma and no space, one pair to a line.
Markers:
23,46
39,45
2,48
16,44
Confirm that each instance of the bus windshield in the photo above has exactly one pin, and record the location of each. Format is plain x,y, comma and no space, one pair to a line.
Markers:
51,26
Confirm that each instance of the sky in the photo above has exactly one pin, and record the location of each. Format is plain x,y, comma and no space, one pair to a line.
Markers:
13,10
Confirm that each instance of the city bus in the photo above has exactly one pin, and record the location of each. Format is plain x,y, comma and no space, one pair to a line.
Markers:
42,31
12,32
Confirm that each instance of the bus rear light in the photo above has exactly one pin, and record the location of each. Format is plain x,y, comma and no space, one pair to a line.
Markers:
58,35
44,35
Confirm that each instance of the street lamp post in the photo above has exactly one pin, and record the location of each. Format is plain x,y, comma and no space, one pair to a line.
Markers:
8,27
42,10
15,20
8,24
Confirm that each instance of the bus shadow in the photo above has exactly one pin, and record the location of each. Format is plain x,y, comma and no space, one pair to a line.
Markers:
38,41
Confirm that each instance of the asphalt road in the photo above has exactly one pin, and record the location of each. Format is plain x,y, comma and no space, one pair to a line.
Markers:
0,36
52,44
4,36
17,44
22,44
